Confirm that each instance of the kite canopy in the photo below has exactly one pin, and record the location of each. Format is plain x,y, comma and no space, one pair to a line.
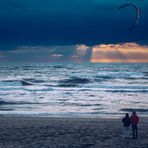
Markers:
138,14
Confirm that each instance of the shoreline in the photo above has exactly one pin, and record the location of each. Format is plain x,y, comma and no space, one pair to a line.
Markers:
53,132
68,116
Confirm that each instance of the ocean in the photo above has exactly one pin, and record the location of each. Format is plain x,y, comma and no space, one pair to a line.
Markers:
73,89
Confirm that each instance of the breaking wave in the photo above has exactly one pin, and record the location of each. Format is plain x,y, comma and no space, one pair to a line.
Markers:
136,109
73,82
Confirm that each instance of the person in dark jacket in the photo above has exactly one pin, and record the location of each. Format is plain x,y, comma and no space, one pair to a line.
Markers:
134,121
126,123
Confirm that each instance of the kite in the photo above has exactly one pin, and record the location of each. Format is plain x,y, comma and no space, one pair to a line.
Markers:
138,14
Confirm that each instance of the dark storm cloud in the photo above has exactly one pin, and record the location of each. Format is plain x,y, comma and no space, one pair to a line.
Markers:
67,22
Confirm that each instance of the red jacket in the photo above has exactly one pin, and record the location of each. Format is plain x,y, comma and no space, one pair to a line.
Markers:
134,119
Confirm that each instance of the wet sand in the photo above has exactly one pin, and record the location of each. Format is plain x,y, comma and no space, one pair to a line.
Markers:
43,132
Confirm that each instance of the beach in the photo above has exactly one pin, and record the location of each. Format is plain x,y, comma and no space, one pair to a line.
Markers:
47,132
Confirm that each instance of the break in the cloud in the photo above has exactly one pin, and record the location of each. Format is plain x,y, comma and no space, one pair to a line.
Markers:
81,49
56,55
128,52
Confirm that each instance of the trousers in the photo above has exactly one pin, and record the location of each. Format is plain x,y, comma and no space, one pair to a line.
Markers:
126,132
135,131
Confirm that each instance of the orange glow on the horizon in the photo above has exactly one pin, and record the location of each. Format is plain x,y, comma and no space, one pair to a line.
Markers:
128,52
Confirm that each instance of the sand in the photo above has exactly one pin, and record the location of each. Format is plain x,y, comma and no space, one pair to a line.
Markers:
43,132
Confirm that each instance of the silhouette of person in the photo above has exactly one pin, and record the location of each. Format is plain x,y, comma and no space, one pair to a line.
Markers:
134,121
126,123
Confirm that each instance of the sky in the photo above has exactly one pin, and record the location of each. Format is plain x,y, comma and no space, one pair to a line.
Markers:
72,31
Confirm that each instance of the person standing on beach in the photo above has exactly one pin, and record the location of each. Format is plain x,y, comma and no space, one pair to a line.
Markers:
134,121
126,123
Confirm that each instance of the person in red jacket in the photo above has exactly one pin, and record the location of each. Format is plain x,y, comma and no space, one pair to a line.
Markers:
134,121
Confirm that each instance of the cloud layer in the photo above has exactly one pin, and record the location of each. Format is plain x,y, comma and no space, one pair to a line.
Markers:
127,52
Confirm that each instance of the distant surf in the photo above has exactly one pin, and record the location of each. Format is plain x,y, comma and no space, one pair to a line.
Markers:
87,89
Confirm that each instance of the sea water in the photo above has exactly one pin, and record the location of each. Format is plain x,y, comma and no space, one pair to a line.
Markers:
73,90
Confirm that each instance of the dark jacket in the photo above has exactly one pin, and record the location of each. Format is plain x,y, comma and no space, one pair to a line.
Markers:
126,121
